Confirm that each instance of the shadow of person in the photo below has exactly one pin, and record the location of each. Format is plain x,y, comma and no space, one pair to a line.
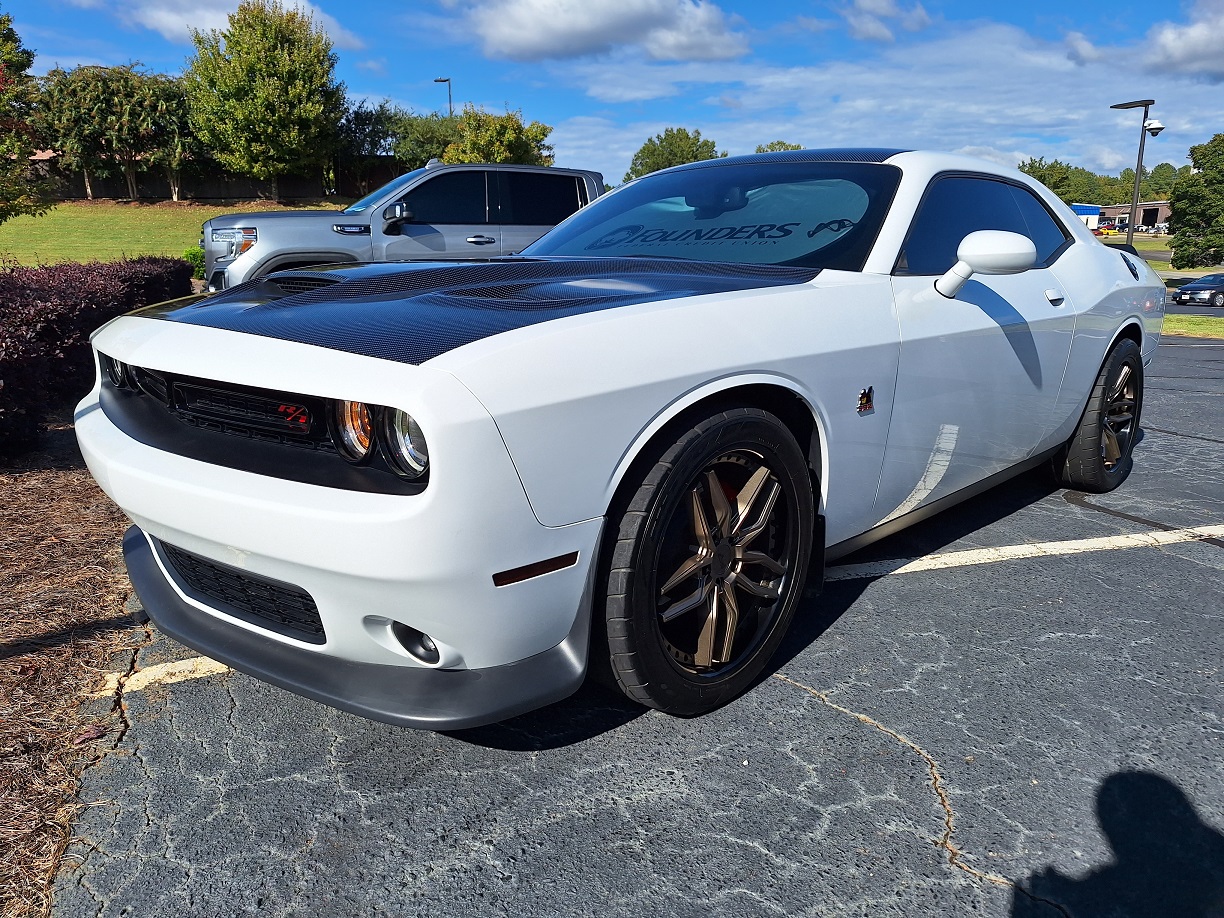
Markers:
1167,862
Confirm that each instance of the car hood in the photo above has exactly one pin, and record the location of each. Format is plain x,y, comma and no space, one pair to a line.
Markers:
303,217
412,313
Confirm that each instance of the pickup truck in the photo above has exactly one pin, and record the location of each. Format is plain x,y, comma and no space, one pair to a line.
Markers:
439,212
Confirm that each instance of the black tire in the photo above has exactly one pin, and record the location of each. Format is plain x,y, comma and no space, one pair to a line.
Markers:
1097,458
691,661
1217,299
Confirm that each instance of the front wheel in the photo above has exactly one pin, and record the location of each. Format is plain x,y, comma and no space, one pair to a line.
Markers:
1217,299
708,564
1097,458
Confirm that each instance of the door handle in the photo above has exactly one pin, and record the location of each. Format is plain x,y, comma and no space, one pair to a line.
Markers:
1055,297
481,240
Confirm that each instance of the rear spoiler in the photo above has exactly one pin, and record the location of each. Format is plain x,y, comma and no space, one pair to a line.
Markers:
1123,246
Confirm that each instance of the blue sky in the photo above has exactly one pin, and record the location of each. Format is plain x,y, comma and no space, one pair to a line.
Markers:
1001,80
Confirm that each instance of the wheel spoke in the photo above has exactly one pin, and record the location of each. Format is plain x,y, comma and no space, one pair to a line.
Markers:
1120,382
688,569
718,497
747,496
694,600
744,536
760,590
704,657
1120,420
1113,452
731,623
759,557
701,527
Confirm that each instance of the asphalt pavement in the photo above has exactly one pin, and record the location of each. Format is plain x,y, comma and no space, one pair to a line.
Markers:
1026,722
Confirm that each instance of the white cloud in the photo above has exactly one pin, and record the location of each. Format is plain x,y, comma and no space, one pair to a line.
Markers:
1080,49
174,20
1193,48
666,30
866,19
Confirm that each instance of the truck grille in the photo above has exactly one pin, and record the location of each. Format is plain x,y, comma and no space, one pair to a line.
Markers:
279,607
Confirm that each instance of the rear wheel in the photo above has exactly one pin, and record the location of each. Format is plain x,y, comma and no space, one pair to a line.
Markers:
708,564
1097,458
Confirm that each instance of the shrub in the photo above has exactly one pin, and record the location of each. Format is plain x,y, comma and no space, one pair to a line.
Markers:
46,317
195,256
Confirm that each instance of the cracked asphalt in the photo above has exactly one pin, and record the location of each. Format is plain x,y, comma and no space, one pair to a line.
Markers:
1032,737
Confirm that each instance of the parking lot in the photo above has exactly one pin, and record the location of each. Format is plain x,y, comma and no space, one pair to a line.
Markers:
1013,709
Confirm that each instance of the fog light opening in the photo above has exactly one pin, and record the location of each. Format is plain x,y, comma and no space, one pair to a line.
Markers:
417,643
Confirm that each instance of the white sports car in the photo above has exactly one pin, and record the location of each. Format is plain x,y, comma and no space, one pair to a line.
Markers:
432,494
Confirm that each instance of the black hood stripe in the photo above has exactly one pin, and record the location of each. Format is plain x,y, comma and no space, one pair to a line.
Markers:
412,313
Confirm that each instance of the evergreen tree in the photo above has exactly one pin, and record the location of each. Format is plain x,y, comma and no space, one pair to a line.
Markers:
1197,203
22,190
674,147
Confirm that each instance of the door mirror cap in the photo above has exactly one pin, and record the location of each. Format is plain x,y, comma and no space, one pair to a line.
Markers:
987,252
397,213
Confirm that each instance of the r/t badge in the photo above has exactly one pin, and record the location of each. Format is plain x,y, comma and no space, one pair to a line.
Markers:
866,402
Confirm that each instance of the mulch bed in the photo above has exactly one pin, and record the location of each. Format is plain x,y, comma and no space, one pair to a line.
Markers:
62,620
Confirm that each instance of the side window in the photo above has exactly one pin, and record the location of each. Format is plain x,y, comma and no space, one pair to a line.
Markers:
454,197
953,208
1046,232
535,199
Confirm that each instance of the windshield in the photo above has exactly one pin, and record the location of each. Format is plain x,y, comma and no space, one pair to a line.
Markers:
392,186
808,214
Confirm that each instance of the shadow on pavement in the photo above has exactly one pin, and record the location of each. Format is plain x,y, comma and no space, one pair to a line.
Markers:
1168,863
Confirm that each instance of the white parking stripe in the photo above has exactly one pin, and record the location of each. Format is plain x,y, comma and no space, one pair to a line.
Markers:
162,674
1016,552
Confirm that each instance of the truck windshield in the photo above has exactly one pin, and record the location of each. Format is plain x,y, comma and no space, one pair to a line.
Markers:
374,196
809,214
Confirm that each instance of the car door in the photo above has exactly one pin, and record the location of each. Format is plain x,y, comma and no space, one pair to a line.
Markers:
532,203
451,218
979,374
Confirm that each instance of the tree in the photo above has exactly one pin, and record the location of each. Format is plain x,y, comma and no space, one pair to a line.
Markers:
22,191
367,134
1158,184
71,113
262,94
674,147
1197,204
777,146
128,118
174,143
420,138
488,138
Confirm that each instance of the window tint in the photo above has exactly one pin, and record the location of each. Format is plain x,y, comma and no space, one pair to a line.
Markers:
957,206
531,199
456,197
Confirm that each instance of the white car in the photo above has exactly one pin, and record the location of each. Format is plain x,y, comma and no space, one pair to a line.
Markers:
433,494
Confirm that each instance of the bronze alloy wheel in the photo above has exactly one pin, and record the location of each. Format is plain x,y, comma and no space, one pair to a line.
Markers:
1097,458
727,550
706,568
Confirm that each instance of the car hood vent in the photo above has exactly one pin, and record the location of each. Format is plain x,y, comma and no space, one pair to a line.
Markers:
412,313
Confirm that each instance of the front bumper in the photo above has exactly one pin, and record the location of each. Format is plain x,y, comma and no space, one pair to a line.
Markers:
431,699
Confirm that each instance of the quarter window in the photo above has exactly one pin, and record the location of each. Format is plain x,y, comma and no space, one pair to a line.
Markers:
956,206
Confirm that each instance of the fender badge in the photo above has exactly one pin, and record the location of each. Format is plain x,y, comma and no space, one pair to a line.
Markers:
866,402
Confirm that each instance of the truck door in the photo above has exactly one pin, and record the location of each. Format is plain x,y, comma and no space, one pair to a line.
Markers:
451,219
533,203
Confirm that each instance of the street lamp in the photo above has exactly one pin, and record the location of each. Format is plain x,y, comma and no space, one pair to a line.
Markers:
450,104
1148,127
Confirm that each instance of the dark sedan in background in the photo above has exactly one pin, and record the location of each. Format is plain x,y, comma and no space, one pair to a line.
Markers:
1208,289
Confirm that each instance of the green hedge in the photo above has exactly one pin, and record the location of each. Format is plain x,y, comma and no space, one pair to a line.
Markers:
46,317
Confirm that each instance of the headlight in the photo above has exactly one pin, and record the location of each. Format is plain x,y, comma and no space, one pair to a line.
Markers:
116,372
404,444
236,241
354,430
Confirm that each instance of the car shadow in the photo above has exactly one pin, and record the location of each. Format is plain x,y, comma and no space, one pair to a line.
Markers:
1167,862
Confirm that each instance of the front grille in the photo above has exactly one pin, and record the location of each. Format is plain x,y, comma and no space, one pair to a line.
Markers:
279,607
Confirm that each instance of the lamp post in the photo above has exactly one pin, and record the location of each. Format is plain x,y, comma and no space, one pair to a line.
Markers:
449,103
1147,127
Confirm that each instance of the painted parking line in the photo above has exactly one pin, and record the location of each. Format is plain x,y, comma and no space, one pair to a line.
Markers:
973,556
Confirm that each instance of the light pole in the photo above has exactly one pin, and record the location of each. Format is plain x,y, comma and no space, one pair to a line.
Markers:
1147,127
449,103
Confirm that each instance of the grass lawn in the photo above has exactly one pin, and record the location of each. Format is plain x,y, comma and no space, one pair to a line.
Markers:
109,230
1194,326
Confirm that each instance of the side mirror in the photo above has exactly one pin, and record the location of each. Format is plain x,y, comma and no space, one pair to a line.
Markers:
397,213
987,252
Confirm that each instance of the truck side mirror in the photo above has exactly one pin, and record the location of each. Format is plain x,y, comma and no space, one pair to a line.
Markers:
393,216
987,252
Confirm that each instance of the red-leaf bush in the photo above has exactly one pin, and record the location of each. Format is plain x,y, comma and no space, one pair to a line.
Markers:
46,317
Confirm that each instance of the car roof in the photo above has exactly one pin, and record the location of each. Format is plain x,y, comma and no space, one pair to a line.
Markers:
834,155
